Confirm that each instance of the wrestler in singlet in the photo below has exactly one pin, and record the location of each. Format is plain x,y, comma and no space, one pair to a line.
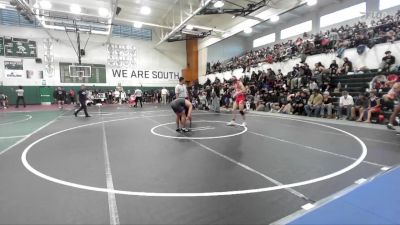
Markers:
240,96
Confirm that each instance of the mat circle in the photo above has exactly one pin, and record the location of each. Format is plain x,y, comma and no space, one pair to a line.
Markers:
153,131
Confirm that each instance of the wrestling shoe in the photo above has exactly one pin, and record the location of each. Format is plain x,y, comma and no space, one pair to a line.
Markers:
232,123
390,127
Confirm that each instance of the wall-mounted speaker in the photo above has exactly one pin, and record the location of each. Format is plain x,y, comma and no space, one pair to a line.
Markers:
118,11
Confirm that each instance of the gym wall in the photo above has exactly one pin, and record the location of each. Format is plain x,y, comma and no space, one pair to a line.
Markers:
156,67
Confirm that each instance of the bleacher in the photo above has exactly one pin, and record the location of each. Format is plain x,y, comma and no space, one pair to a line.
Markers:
357,84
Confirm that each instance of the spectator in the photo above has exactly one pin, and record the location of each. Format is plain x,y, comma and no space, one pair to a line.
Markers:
298,103
286,107
333,68
374,106
341,46
202,101
393,95
314,104
359,107
20,96
346,67
313,85
3,100
346,102
60,96
164,95
139,98
326,105
72,96
388,62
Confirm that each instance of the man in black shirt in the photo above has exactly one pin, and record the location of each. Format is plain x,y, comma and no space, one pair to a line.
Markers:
82,99
298,103
334,68
387,62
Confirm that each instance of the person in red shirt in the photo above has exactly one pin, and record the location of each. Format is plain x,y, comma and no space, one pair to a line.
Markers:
240,98
72,95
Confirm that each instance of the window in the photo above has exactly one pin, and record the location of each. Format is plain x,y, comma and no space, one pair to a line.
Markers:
268,39
349,13
386,4
296,30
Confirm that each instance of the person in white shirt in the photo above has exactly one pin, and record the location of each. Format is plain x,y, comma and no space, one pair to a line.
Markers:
139,97
123,97
20,96
180,89
346,102
164,94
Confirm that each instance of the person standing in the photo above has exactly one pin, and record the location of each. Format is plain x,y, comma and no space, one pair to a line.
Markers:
139,97
181,90
20,96
164,94
240,97
59,96
72,96
82,100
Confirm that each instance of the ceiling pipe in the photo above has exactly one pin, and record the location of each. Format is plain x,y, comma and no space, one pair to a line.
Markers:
183,23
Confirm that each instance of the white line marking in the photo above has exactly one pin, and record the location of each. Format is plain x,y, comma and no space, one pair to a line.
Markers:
27,136
360,181
202,128
385,168
28,117
314,149
333,133
308,206
112,202
291,190
153,131
12,137
204,194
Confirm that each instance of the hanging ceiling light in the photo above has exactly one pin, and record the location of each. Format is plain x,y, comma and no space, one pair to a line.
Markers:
219,4
145,10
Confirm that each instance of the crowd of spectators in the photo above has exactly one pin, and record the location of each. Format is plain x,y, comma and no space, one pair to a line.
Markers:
359,35
310,99
121,96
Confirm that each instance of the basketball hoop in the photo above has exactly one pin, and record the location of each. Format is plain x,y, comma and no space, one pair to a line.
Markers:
80,72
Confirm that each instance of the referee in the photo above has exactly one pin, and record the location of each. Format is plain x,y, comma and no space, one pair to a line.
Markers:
82,99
